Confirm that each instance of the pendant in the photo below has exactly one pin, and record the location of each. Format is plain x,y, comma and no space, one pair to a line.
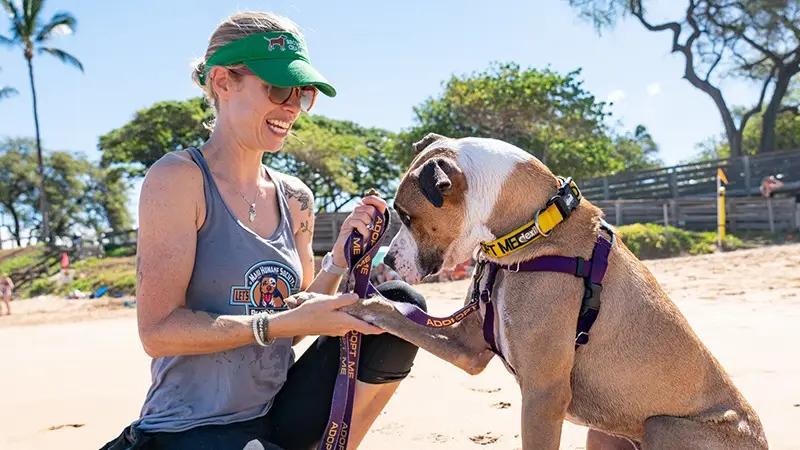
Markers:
252,212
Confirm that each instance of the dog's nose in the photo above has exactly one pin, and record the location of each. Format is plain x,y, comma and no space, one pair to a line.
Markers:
389,260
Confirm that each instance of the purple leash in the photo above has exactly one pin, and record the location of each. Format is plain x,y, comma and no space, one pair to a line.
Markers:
360,254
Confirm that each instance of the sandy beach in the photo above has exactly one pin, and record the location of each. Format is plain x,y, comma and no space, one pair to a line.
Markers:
74,372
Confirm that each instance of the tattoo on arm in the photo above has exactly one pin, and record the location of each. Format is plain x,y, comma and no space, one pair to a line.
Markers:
301,196
304,227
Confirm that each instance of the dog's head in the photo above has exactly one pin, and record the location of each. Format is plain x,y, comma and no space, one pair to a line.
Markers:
445,200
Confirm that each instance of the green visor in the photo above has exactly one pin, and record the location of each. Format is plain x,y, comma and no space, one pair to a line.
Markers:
278,58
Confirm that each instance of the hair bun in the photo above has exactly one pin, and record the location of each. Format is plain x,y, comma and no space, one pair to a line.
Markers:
199,68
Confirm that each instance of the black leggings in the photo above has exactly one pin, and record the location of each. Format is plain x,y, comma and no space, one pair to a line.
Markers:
301,409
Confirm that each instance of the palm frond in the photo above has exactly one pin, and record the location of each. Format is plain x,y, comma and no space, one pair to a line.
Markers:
31,10
6,41
7,92
10,9
65,57
61,24
17,20
27,19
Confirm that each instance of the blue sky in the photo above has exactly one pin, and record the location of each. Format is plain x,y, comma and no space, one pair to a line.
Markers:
383,57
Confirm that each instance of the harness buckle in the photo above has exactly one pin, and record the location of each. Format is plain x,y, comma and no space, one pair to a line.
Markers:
579,265
514,270
567,198
591,296
582,338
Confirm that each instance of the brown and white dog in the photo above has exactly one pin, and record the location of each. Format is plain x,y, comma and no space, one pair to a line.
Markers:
644,376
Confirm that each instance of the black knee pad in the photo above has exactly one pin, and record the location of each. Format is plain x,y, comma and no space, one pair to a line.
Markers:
386,358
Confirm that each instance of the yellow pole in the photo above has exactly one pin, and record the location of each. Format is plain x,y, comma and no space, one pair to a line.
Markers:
720,207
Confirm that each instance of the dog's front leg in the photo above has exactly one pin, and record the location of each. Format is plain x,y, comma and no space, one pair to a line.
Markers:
542,356
460,344
543,412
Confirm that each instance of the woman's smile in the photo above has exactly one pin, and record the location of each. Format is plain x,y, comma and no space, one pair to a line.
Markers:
279,127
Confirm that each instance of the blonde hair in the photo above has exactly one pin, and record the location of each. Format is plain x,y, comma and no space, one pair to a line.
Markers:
236,27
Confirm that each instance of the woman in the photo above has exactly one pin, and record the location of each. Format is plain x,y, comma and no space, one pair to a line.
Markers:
6,289
225,270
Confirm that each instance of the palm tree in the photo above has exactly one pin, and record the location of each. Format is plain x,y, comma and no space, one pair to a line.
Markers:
30,33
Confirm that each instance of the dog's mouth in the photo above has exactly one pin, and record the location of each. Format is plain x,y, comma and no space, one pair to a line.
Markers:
430,262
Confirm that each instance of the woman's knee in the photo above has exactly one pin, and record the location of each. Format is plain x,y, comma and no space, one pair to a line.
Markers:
400,291
387,358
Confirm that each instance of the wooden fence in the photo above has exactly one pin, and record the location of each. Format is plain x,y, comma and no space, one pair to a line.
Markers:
741,213
700,214
698,180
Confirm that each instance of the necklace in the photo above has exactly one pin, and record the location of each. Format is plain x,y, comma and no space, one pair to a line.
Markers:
252,213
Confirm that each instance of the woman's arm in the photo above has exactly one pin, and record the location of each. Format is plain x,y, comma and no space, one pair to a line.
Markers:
301,205
169,208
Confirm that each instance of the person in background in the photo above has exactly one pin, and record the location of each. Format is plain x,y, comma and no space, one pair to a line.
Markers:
6,289
770,184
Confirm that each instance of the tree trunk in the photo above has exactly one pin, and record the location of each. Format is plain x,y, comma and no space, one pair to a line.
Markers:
17,233
733,134
771,114
42,192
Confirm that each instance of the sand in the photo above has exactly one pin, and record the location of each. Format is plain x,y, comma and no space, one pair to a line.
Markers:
74,372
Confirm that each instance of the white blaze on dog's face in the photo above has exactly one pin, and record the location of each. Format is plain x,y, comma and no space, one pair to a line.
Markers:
445,199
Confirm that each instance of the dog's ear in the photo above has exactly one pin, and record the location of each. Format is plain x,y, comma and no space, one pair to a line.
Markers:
434,180
429,139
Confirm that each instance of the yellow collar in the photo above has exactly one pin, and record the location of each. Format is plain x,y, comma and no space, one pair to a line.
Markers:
558,208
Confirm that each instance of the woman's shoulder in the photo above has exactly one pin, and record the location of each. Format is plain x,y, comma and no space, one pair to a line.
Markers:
173,179
174,168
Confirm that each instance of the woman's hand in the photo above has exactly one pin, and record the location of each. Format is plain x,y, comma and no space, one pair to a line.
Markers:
319,315
359,219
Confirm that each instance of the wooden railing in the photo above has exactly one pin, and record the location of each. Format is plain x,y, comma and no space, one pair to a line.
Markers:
698,180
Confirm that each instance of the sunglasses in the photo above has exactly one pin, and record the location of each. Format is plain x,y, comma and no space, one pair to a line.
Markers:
281,95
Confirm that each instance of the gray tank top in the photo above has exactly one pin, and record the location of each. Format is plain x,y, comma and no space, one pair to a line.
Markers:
235,272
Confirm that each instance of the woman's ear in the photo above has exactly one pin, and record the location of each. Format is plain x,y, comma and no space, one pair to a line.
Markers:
221,82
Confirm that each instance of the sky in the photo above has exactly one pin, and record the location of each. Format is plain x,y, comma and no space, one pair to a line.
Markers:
383,57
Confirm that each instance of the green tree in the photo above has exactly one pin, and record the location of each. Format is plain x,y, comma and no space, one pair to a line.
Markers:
764,39
17,182
718,39
30,32
548,114
339,160
83,197
787,137
637,150
154,131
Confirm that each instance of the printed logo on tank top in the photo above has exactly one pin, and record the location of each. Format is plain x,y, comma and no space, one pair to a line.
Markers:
266,285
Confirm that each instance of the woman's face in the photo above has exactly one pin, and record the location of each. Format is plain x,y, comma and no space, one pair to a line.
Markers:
247,112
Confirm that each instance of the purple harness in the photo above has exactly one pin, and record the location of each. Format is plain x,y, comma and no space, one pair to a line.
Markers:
592,272
361,253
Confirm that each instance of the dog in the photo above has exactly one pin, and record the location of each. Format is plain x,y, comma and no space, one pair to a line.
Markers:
643,376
